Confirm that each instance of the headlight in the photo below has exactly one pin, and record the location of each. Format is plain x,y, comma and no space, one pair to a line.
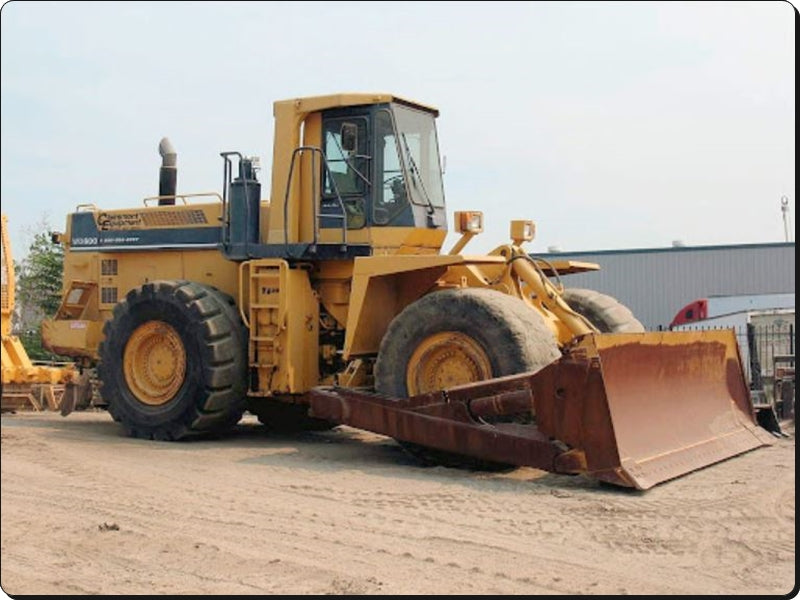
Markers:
522,231
469,221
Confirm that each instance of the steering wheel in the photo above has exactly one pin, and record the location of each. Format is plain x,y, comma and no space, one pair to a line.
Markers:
393,180
398,187
383,212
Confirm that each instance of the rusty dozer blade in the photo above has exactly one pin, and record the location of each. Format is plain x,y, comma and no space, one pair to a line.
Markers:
653,406
633,410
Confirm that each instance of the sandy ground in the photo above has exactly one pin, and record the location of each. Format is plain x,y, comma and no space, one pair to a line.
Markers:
87,511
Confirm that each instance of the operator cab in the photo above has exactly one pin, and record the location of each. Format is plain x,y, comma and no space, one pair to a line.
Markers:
353,175
383,165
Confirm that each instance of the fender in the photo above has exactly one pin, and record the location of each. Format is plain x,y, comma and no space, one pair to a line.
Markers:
382,286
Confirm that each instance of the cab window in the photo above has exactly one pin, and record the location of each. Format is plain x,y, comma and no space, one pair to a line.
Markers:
345,181
346,152
391,197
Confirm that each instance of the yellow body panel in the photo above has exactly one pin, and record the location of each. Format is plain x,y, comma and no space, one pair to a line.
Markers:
76,338
283,317
78,335
157,217
381,288
303,106
390,240
135,268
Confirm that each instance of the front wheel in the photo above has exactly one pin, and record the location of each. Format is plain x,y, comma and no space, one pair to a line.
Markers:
460,336
173,361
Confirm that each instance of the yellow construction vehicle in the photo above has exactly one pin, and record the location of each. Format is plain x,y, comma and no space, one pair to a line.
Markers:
27,385
333,303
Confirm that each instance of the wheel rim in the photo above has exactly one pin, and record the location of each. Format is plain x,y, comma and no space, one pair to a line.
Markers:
444,360
154,363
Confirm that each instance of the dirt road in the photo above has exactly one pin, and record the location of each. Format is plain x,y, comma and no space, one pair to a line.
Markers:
86,511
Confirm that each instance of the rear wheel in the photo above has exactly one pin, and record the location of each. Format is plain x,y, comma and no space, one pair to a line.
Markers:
454,337
602,311
173,361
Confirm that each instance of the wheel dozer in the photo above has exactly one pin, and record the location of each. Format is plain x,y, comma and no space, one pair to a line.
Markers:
27,385
333,302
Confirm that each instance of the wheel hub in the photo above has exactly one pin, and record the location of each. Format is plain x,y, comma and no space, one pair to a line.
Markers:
444,360
154,363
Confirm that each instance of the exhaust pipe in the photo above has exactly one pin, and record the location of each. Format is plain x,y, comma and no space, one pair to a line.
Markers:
168,174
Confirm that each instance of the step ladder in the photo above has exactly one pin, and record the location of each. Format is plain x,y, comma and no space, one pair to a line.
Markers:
75,300
266,318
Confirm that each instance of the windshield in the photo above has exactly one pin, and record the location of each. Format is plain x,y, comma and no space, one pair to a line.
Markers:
419,148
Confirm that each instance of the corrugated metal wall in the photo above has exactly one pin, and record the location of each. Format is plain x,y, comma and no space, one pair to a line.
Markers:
656,283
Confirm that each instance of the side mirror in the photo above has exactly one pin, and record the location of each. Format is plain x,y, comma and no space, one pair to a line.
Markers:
349,133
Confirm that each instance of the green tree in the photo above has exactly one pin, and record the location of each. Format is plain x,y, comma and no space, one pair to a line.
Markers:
38,296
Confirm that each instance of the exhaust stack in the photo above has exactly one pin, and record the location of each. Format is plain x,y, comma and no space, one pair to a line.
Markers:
168,174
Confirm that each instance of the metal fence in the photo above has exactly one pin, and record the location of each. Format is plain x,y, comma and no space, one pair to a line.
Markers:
760,347
764,344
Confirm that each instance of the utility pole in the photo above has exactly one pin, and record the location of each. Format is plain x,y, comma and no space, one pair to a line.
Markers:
785,211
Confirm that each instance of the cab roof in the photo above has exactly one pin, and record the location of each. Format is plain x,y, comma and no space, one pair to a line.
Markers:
316,103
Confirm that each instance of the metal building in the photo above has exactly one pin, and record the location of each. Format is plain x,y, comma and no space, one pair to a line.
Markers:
656,283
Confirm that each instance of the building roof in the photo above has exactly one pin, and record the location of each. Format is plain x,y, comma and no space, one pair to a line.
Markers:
673,249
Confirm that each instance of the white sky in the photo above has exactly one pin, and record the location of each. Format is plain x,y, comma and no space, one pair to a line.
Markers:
611,124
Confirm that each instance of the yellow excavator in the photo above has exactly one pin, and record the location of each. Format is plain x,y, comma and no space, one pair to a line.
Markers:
28,386
334,302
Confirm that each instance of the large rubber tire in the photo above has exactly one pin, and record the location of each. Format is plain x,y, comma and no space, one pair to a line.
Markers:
603,311
513,338
173,364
